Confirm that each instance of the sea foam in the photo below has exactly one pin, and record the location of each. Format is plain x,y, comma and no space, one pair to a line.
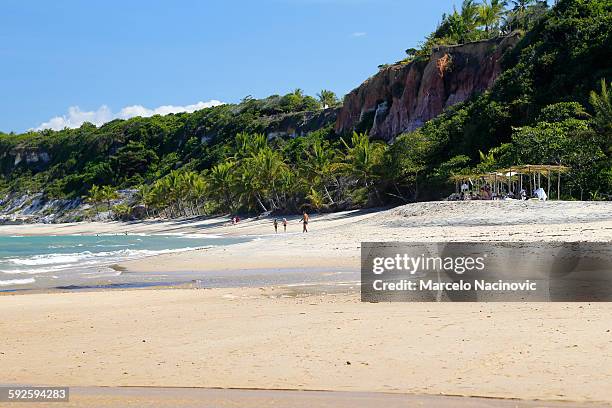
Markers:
12,282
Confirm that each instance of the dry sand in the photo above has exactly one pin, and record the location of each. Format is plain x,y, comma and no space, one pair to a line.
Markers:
273,338
252,338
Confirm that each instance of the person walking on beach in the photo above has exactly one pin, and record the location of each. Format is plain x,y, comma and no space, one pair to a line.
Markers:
285,224
275,225
304,220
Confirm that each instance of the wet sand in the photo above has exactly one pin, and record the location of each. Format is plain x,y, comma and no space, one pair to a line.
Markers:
113,397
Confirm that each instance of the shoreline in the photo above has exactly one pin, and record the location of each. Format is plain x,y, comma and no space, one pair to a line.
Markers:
332,245
177,397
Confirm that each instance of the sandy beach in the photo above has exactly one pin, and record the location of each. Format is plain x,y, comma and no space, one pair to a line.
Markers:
309,339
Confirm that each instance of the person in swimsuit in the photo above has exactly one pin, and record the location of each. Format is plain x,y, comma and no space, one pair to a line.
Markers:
275,225
285,224
304,220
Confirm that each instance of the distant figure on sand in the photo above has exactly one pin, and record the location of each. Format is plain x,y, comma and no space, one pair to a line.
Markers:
285,224
304,220
275,225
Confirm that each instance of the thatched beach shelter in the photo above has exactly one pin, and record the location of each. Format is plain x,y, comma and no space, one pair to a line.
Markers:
515,178
534,173
494,179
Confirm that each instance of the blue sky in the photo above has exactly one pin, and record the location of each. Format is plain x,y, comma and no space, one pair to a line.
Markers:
108,55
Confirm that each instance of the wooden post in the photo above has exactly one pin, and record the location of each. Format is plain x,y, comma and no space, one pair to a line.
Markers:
548,178
495,184
531,182
509,181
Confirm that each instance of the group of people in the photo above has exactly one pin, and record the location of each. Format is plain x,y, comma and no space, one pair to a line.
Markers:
276,224
305,219
486,193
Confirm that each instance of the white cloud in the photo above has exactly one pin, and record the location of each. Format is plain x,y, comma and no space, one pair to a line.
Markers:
76,117
359,34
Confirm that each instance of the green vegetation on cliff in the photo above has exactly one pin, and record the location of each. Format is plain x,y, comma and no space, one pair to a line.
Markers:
550,105
476,21
128,153
544,108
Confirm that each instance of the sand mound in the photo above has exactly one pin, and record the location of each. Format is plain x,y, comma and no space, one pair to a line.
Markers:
511,212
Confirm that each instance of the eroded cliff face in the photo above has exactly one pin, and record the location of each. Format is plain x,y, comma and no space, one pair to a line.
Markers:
33,158
401,98
300,123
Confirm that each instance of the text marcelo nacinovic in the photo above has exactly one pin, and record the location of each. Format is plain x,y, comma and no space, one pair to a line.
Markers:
500,271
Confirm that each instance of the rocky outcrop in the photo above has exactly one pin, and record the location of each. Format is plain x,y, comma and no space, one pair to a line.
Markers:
30,157
25,208
20,208
402,97
300,123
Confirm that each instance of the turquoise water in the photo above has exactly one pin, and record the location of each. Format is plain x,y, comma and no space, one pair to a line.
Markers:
55,260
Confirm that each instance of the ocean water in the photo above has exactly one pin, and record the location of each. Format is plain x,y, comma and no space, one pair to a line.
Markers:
28,262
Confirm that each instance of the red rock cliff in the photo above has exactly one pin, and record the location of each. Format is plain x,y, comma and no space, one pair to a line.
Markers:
402,98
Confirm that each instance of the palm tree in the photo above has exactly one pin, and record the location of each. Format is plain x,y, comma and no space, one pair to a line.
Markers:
159,195
108,194
603,108
197,188
95,197
490,13
248,145
180,193
521,6
363,157
259,169
469,14
457,26
518,14
264,169
406,158
289,185
487,161
327,98
145,197
315,198
319,166
220,182
179,186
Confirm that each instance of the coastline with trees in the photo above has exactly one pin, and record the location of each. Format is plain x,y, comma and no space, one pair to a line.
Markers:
550,105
